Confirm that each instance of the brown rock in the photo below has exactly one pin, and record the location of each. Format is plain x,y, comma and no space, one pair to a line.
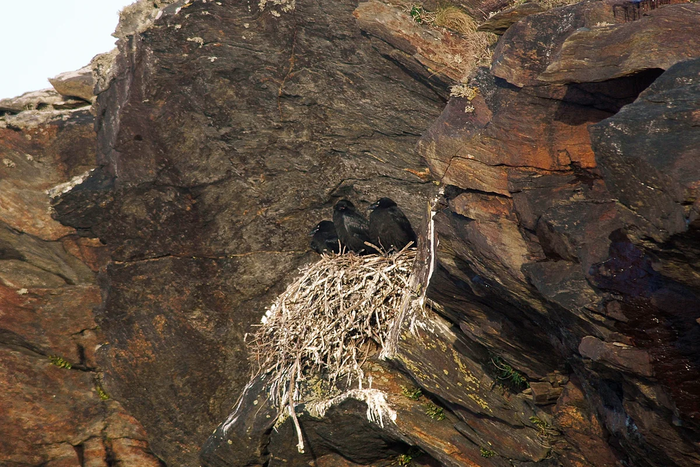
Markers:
77,83
502,20
575,418
543,393
47,152
618,355
437,50
649,150
480,9
204,233
90,251
52,319
45,100
660,39
133,452
44,405
94,453
49,415
484,149
528,47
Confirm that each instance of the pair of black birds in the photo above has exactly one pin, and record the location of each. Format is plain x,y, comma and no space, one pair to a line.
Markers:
388,228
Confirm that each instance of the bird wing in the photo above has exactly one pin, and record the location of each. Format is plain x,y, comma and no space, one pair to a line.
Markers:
400,218
357,226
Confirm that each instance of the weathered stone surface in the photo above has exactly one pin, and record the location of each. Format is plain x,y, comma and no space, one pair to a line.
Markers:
46,99
529,46
649,152
453,375
201,196
51,415
619,355
51,150
442,57
78,83
543,393
660,39
577,421
589,263
501,21
227,131
480,9
246,436
507,130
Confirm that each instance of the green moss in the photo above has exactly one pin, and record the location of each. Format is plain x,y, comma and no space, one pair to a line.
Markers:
417,13
487,452
101,391
406,459
60,362
541,425
434,412
412,392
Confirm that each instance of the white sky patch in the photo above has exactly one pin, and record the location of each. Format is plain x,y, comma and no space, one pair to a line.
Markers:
43,38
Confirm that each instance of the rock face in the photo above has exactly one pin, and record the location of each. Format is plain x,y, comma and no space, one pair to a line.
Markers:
565,238
562,250
209,178
53,410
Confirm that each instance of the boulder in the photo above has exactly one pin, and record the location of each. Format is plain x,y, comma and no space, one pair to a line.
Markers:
527,48
649,152
660,39
77,83
617,354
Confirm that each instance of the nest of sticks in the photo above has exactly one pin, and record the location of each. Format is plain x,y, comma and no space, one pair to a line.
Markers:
320,331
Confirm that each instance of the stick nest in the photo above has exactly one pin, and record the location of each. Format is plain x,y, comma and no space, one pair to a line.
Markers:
319,332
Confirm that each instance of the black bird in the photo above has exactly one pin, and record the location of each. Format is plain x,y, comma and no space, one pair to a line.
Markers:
325,239
352,227
388,226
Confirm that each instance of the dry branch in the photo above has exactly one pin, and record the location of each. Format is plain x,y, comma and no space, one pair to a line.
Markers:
327,323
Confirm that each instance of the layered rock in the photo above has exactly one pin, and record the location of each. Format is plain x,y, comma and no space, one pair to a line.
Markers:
572,271
53,410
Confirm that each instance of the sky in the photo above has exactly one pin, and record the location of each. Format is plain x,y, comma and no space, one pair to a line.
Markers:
42,38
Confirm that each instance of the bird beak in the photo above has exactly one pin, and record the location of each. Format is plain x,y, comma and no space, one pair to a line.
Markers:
313,231
373,206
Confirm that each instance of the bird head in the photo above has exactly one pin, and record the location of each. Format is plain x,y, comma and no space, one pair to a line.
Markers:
344,205
382,203
323,226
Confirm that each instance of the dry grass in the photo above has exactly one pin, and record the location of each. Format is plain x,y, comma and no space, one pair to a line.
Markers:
320,331
452,17
464,56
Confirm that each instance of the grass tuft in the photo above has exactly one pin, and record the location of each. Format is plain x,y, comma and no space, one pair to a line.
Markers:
60,362
508,375
412,393
454,18
434,412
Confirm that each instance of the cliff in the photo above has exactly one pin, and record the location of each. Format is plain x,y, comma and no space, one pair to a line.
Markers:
551,173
